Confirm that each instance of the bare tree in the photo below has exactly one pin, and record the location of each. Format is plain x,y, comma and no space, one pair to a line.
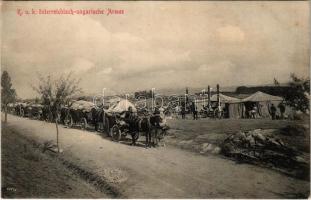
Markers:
8,94
56,92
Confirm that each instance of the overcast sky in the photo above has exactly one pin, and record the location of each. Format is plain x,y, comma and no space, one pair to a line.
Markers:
157,44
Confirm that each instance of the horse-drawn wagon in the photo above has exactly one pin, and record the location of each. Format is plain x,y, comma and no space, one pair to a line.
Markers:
112,118
80,113
121,120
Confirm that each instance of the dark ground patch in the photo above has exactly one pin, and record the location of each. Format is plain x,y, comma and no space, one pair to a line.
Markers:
29,173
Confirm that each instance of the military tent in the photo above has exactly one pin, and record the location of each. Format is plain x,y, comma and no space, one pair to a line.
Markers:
232,106
261,97
263,103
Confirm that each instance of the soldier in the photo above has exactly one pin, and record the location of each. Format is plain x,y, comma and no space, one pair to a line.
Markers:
183,112
273,111
194,111
282,109
128,116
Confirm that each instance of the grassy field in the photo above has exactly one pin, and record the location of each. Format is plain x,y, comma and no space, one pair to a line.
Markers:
190,134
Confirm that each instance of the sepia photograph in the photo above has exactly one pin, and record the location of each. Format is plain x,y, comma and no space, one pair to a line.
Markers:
155,99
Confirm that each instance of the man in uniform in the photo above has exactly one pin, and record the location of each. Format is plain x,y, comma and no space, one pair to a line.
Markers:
183,112
194,111
282,109
128,116
273,111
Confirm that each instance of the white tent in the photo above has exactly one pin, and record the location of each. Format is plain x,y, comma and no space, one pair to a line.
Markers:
263,101
121,106
260,96
234,106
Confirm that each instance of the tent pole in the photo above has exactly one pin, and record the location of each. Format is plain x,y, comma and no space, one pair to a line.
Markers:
218,99
209,97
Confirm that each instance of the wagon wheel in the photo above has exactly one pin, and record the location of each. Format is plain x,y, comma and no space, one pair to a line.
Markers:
84,123
115,133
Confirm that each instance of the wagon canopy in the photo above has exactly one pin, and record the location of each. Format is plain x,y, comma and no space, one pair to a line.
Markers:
121,106
85,106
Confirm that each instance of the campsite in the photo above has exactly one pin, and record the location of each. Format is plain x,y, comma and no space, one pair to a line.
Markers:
235,137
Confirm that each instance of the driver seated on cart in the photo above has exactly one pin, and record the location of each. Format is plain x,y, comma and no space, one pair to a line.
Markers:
128,114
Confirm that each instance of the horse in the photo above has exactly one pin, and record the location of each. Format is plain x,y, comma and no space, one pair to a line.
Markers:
152,129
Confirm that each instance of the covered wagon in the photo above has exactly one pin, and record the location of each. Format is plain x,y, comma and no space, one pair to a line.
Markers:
112,114
80,113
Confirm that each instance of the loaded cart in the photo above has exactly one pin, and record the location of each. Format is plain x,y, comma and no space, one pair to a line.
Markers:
113,124
80,113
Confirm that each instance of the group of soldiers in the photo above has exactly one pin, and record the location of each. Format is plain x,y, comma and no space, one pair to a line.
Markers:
219,111
254,112
273,111
206,110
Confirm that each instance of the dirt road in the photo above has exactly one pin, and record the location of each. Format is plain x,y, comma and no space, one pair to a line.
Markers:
165,172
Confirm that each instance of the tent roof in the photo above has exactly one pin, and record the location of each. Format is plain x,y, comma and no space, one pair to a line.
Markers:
260,96
121,106
225,99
